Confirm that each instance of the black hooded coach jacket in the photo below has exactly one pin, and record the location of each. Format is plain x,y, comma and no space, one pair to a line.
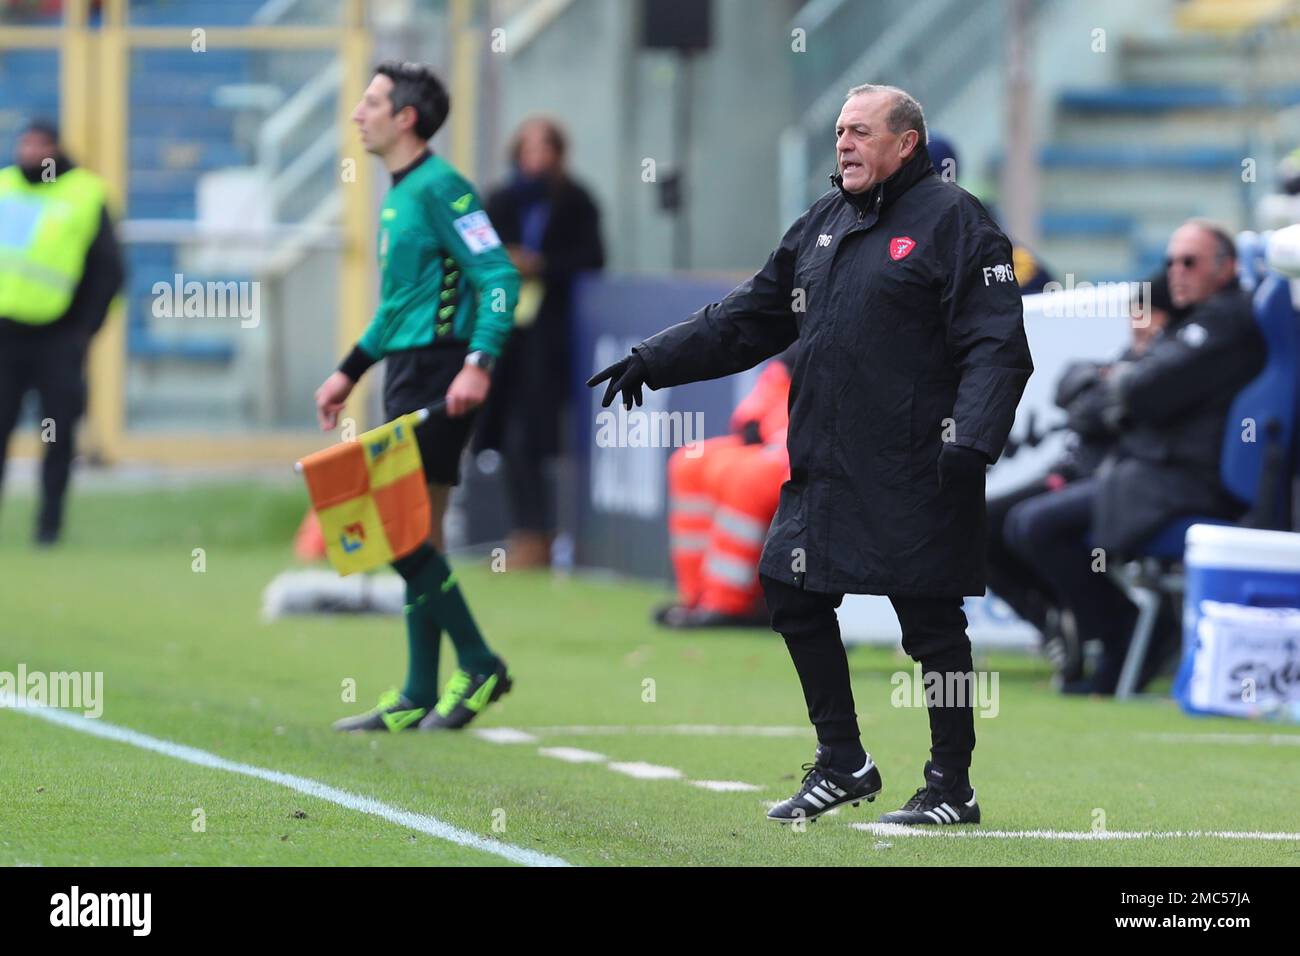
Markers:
911,333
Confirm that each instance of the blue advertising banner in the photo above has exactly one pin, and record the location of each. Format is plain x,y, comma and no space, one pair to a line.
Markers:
620,458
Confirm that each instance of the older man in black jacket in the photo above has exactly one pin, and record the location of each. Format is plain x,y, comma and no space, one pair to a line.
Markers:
1169,408
901,292
1083,393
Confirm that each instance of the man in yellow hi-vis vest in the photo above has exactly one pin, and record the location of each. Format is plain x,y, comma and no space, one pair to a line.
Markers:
60,266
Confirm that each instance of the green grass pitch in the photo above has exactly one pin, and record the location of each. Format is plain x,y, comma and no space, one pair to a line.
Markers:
186,658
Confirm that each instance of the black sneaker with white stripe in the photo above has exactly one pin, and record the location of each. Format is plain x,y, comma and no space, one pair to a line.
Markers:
940,801
825,788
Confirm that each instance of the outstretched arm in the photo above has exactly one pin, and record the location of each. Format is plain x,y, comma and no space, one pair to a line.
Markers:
754,322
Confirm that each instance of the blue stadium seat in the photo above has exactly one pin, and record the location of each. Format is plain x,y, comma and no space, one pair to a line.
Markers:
1270,402
170,144
1168,543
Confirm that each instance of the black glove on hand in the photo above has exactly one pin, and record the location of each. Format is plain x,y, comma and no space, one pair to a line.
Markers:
627,376
961,467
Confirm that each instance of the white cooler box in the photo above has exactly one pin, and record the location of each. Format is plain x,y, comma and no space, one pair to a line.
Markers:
1241,623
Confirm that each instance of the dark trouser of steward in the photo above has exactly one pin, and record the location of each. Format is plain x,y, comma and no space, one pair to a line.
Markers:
53,367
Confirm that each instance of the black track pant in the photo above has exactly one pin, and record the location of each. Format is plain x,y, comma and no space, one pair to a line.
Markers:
934,634
53,367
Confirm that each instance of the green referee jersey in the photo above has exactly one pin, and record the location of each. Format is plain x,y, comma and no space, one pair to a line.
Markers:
444,273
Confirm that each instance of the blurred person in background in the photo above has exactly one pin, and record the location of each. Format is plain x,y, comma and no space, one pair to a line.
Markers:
1082,394
60,267
550,225
1169,408
1289,172
721,499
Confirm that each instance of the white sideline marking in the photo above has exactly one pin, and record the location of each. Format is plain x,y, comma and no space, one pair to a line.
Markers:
312,788
1276,740
682,730
725,786
898,829
646,771
572,754
639,771
504,735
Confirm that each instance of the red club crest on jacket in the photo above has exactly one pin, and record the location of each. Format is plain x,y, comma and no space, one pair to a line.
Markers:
900,246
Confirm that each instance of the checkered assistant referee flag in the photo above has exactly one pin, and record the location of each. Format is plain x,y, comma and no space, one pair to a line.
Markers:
370,496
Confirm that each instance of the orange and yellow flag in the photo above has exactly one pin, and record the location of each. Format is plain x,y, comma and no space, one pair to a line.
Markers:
370,496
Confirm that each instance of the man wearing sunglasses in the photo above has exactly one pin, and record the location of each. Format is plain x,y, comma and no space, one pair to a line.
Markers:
1168,409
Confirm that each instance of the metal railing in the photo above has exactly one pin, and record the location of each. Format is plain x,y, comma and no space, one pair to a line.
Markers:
528,20
303,111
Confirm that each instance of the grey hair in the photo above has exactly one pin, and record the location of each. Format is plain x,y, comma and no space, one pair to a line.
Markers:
1225,248
905,114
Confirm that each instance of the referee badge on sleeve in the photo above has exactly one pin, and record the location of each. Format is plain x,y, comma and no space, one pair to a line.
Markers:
476,231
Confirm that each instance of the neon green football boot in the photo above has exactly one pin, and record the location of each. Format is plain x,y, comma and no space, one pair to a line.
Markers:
466,696
394,712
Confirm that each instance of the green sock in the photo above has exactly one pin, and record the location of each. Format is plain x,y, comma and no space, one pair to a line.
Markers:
451,611
423,637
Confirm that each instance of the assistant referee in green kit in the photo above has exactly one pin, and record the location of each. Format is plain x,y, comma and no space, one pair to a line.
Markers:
447,299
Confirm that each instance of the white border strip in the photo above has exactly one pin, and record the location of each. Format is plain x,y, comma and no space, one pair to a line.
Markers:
312,788
900,830
671,730
646,771
725,786
1273,740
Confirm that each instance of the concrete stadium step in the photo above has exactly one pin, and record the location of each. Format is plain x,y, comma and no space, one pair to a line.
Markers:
170,185
196,345
1182,129
197,93
172,141
161,207
1087,222
209,340
208,353
188,62
154,119
1143,158
15,63
1085,258
1171,199
186,152
1136,98
15,110
18,85
1165,116
178,401
144,270
1205,60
